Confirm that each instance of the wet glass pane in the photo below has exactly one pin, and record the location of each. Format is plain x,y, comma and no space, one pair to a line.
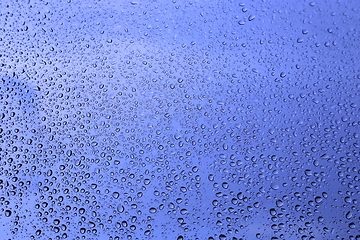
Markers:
179,119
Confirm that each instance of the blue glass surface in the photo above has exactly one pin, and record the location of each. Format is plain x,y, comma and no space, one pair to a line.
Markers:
179,119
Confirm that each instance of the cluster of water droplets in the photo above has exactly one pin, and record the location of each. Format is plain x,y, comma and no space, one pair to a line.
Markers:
186,120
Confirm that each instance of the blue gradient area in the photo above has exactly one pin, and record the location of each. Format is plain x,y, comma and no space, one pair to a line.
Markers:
179,120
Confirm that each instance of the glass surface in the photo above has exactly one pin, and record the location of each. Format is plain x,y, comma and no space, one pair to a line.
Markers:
179,119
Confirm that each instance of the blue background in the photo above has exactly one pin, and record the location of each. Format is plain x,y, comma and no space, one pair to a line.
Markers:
179,119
